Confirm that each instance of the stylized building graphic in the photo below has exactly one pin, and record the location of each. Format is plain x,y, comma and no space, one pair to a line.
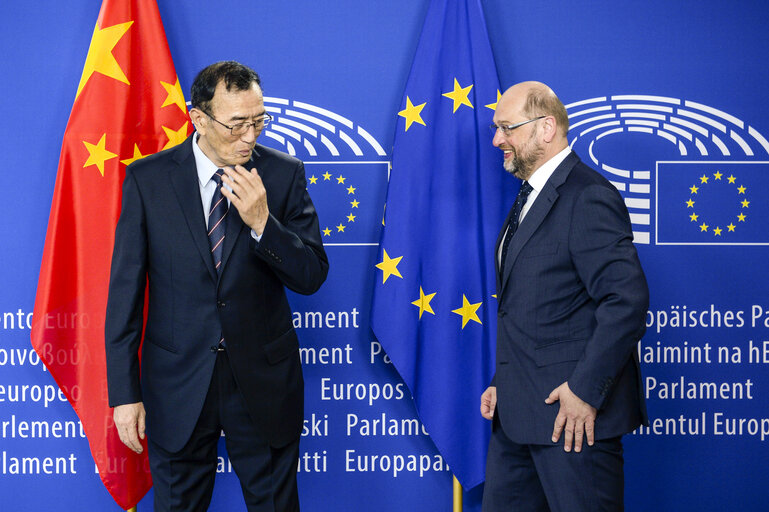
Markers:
346,168
686,137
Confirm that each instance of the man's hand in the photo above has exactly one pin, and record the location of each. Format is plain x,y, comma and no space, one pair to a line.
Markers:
489,402
129,421
248,196
576,416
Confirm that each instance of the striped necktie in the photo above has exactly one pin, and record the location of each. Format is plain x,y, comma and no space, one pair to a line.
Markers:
217,217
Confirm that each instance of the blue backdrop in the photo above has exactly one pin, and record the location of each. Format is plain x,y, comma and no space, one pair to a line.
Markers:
668,99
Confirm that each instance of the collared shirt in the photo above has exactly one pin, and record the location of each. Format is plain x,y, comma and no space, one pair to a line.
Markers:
206,169
537,181
539,177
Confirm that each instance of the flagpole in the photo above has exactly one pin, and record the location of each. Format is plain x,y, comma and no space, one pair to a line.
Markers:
132,509
457,496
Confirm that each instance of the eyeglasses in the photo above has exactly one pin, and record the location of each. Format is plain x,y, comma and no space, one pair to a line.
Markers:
241,128
508,129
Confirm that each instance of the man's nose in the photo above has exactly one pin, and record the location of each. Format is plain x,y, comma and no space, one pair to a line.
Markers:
250,134
498,138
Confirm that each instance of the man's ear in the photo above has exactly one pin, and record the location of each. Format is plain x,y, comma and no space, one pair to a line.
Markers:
549,129
199,120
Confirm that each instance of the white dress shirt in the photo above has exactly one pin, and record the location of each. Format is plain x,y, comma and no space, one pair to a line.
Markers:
539,177
206,170
537,181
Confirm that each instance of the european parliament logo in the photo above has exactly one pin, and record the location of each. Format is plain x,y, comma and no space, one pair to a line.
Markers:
346,168
690,174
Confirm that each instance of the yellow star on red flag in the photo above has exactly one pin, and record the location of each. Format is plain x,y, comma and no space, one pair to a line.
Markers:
100,58
175,96
98,154
175,136
137,155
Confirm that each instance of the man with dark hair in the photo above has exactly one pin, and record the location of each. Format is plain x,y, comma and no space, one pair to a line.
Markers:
213,230
572,300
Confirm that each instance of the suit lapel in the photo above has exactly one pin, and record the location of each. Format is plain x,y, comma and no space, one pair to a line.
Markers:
184,179
527,227
537,214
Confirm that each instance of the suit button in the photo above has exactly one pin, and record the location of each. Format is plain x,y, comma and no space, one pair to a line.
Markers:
221,304
501,313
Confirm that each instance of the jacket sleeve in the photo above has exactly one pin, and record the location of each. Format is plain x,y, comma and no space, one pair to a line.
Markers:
601,246
127,283
292,246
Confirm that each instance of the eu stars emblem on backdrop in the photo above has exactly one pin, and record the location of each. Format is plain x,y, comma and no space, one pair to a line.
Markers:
712,203
433,308
345,198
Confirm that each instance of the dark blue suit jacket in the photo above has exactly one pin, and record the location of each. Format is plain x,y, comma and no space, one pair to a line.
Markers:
572,304
161,246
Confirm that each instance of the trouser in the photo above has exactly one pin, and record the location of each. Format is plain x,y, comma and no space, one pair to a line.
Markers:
184,480
545,478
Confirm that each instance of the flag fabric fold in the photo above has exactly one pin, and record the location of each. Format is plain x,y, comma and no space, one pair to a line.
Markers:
433,309
128,104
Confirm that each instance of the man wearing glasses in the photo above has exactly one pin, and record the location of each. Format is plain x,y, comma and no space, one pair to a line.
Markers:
572,300
214,230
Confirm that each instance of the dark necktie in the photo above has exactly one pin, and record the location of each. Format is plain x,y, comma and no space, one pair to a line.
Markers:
523,194
217,220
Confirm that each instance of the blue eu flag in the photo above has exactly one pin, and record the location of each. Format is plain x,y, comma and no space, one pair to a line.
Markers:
433,310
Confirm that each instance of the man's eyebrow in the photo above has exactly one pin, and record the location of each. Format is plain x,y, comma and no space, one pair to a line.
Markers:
246,118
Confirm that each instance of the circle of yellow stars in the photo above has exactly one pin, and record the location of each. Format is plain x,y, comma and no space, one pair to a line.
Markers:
744,204
354,204
468,310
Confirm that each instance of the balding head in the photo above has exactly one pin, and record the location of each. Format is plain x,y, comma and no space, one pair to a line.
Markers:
534,99
539,126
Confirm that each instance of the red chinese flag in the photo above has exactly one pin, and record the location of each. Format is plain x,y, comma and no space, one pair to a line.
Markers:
129,104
